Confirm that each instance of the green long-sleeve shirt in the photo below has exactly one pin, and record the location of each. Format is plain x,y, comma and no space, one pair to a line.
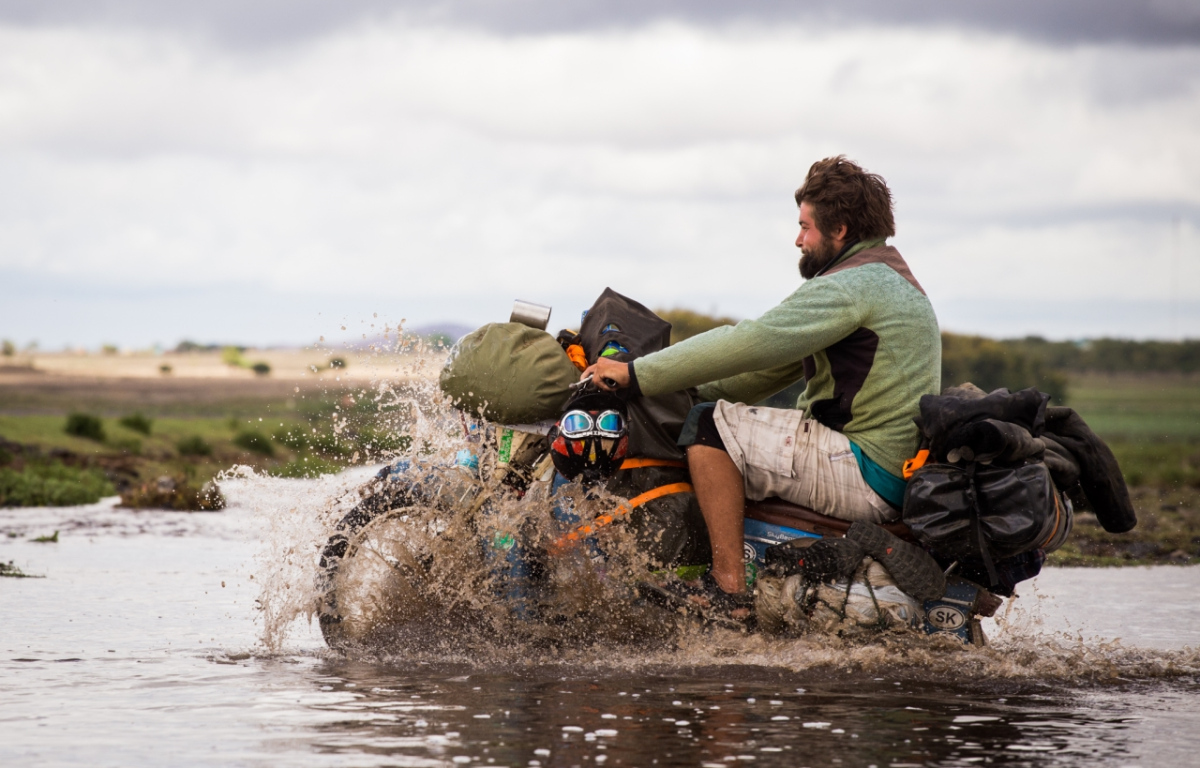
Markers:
863,334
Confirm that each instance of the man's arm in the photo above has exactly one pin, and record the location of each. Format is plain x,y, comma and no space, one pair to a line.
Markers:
753,386
815,316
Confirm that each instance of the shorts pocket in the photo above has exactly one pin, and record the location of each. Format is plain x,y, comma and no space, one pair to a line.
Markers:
772,435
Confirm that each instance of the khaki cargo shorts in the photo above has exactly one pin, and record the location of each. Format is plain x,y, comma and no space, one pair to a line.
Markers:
781,453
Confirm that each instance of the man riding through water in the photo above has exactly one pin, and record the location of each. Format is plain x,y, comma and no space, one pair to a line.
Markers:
862,334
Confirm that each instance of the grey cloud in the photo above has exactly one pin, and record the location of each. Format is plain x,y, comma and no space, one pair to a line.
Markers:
238,23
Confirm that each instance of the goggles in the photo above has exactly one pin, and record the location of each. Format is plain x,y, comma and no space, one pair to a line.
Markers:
583,424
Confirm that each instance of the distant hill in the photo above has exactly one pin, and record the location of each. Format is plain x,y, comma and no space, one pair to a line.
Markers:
447,333
437,334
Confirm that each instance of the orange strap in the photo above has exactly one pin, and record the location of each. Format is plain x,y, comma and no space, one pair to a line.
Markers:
912,465
1058,514
575,352
639,463
624,508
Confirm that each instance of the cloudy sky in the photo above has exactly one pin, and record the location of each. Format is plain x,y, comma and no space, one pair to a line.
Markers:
176,170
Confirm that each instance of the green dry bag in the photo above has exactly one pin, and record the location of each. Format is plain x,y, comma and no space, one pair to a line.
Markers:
510,373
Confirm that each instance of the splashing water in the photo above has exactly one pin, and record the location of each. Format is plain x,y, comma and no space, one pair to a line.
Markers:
426,583
141,637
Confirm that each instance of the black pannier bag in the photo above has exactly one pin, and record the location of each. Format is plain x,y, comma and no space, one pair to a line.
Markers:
989,494
983,514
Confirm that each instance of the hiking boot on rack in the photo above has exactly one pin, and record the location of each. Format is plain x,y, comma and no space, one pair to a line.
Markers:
913,569
825,559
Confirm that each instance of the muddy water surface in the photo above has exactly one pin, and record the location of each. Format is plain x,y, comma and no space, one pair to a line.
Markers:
143,645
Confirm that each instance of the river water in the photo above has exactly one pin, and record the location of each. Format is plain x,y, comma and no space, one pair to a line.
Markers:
155,638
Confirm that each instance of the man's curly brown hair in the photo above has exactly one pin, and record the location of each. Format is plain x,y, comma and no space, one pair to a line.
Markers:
841,192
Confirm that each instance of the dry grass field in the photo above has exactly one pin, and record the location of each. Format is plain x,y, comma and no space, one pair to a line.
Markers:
189,422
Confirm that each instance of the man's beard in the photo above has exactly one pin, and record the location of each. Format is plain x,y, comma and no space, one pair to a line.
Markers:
812,262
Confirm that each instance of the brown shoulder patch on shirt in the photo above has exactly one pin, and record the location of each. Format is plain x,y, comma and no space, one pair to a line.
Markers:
880,254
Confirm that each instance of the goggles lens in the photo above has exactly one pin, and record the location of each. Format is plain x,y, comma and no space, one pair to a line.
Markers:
583,424
576,423
610,422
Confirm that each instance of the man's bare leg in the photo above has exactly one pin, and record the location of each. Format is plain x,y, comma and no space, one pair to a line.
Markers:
722,496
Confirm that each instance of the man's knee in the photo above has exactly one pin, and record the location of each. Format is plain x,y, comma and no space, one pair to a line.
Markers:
705,457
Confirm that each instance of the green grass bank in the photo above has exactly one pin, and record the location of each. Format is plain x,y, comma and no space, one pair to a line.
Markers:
177,436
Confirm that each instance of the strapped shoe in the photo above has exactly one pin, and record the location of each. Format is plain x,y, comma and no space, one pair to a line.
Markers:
913,569
827,559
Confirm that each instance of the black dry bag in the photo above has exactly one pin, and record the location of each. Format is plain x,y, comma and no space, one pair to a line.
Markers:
976,513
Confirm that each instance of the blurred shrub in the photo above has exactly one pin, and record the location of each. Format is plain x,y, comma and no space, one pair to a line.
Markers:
295,438
85,425
130,445
109,349
7,348
1170,464
137,422
337,362
194,445
991,364
254,441
685,323
232,356
308,466
329,444
324,443
261,368
164,369
52,485
174,492
371,441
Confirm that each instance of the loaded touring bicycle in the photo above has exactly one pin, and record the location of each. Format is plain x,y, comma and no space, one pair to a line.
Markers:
555,484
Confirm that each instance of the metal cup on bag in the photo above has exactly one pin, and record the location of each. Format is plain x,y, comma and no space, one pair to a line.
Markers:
528,313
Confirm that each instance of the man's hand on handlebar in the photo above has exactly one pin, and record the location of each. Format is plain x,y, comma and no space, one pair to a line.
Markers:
608,375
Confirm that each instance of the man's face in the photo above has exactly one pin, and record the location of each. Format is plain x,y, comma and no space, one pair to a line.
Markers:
816,249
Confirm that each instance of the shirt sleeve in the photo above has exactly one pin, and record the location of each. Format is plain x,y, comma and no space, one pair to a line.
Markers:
819,313
753,386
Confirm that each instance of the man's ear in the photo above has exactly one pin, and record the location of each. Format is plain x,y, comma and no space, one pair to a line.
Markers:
842,232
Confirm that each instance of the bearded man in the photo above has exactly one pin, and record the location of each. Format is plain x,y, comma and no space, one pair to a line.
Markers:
862,334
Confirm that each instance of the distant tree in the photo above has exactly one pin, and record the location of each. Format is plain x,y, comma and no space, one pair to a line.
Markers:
191,346
991,364
1126,356
1110,355
232,356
